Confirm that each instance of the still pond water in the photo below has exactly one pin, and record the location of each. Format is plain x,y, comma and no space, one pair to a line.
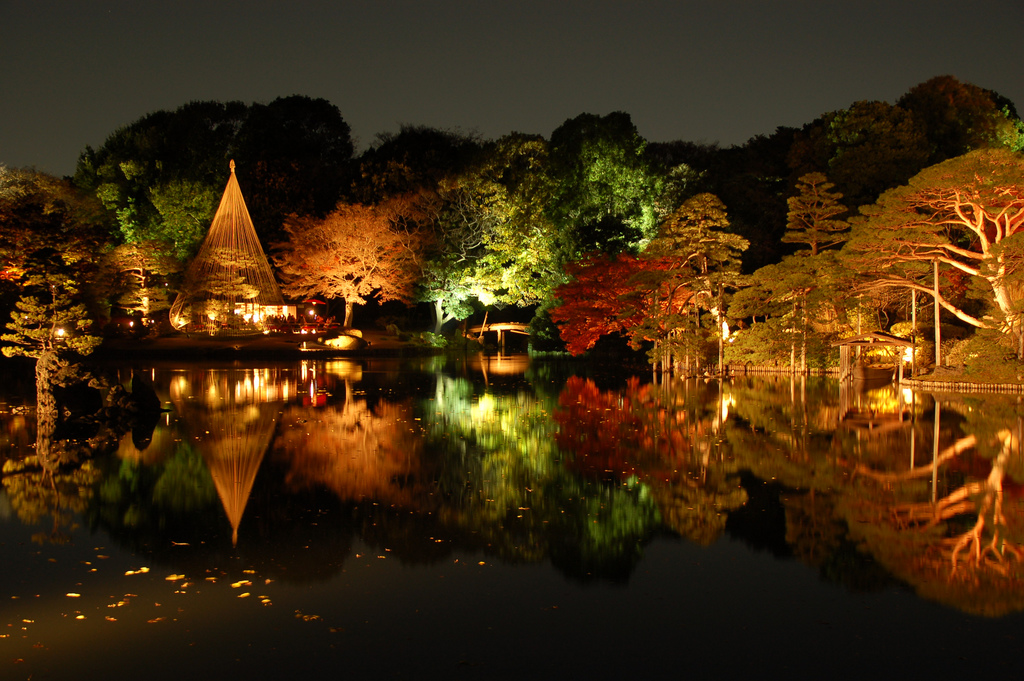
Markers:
502,519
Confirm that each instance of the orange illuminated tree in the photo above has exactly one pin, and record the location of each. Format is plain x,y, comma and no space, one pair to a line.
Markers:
355,253
813,214
965,214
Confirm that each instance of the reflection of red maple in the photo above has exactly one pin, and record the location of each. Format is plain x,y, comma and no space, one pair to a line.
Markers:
647,434
625,433
601,432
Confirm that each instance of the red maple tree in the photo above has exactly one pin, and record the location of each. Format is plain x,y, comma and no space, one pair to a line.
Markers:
598,301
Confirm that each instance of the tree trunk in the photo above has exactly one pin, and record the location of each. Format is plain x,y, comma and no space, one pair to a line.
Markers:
349,313
46,405
696,349
721,334
792,342
438,315
938,332
483,327
803,340
913,332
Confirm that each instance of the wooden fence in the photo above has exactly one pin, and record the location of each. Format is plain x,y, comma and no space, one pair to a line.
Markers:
962,386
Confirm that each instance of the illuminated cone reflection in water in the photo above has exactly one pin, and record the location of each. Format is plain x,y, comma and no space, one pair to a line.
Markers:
231,424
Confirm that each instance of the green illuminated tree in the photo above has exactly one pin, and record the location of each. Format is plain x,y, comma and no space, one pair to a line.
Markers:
449,265
185,209
431,164
161,176
493,240
522,251
172,155
605,190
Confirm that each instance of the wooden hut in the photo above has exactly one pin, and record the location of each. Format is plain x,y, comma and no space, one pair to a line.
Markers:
858,368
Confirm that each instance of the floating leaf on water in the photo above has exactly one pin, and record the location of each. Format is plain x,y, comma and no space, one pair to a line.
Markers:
71,594
155,620
244,595
244,582
110,619
173,578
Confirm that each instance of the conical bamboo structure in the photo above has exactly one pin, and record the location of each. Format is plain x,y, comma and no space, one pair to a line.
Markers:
229,287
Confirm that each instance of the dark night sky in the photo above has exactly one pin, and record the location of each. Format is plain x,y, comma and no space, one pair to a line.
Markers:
717,71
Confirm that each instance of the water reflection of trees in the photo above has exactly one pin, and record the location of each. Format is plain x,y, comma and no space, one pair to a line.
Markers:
926,489
575,471
355,450
507,490
669,437
952,526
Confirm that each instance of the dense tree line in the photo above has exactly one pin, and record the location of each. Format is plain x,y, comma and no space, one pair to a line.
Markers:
671,244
